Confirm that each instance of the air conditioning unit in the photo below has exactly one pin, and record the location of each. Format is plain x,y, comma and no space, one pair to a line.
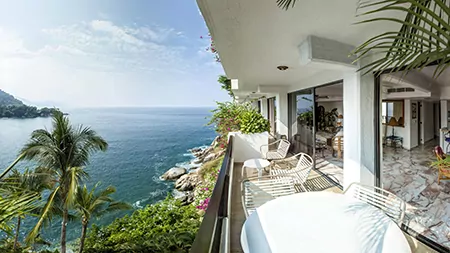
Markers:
326,53
396,90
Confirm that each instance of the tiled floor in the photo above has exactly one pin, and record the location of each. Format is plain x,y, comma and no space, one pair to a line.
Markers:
408,175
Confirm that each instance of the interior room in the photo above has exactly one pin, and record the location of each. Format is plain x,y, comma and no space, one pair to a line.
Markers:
326,124
414,113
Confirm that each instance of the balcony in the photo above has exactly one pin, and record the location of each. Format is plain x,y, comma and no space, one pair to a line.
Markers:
222,224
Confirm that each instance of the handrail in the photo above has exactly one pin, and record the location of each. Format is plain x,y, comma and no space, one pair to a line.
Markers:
209,236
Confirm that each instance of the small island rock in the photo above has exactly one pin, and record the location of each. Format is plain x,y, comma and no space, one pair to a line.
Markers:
174,173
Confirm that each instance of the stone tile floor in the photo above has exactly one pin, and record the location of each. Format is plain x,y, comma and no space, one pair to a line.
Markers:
408,174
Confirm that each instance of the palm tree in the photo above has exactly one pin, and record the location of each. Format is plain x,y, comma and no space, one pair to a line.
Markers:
89,204
28,182
424,36
66,150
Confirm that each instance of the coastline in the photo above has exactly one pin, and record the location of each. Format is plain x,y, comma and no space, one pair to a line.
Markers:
189,176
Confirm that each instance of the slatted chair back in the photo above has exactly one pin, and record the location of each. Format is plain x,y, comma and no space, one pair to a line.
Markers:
390,204
283,148
303,167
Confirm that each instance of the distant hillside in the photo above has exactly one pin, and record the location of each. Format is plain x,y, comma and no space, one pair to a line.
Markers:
10,107
7,99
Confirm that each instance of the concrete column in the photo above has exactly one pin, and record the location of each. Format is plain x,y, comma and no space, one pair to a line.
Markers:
359,131
444,123
264,108
282,111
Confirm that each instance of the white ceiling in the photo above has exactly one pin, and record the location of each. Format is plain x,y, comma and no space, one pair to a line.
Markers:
255,36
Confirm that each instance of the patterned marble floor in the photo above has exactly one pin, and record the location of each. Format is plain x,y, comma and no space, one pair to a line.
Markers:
408,175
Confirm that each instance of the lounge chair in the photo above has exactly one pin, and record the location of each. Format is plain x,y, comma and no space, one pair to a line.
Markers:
258,190
393,206
280,153
299,170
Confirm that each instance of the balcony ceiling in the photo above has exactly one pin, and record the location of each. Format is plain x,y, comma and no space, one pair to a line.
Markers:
255,36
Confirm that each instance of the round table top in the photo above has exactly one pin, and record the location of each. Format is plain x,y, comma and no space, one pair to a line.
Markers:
256,163
325,222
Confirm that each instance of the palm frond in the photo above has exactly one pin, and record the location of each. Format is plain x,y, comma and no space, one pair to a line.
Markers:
10,167
286,4
424,36
43,216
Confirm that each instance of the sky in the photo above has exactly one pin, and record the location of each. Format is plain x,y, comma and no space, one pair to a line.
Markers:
107,53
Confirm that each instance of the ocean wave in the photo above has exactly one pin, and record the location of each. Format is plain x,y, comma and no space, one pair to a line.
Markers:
138,204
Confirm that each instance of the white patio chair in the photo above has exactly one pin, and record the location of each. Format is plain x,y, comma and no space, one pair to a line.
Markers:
299,170
393,206
258,190
280,153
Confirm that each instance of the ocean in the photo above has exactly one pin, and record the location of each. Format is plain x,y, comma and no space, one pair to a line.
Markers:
143,144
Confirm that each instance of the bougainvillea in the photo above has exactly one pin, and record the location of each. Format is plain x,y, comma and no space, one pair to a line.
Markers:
211,47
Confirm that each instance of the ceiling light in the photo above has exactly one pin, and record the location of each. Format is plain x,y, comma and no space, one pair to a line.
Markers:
282,68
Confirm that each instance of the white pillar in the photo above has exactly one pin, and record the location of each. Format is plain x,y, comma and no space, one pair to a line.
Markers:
264,108
359,131
282,109
444,122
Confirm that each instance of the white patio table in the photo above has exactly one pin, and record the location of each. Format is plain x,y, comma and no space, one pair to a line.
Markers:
316,222
258,164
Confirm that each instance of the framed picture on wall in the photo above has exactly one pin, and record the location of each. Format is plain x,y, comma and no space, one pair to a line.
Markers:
414,110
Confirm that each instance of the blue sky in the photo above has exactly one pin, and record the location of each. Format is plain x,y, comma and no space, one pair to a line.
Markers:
107,53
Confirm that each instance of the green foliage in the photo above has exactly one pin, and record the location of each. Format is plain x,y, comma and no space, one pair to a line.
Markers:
25,111
422,39
203,192
10,107
167,226
253,122
226,85
306,118
65,150
228,116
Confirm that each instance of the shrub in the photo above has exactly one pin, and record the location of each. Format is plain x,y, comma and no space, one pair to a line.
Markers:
228,117
209,173
253,122
163,227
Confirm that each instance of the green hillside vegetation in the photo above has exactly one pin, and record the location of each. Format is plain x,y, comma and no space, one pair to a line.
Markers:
7,99
11,107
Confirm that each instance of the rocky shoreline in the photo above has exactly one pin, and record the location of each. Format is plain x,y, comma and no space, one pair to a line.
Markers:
186,180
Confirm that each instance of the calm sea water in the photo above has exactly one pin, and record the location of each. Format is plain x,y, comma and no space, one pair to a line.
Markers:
143,144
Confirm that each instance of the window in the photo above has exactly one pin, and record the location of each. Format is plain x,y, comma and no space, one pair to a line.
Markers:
393,113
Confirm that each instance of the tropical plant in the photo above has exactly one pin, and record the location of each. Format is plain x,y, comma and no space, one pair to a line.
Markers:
233,116
424,36
28,182
166,226
253,122
66,150
226,85
90,204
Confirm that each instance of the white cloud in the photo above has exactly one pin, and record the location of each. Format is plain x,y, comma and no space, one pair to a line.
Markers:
102,63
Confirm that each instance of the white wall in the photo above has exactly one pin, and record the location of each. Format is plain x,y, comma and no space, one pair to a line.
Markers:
359,148
247,146
427,121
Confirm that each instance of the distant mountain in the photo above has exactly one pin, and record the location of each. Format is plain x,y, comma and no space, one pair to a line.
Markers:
7,99
11,107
